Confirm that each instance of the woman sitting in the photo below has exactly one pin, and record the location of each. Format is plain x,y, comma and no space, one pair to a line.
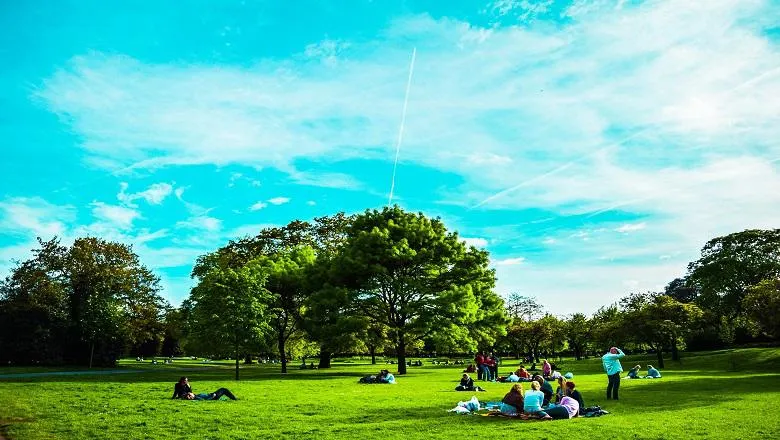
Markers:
652,373
572,392
467,384
513,399
634,372
546,389
522,373
560,391
532,403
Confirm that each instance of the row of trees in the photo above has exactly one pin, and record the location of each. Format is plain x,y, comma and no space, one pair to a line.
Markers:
384,281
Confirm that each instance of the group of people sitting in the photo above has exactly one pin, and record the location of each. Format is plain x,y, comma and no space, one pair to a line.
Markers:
540,402
384,376
652,373
183,390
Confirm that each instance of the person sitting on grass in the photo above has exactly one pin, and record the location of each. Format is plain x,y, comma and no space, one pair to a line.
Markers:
385,376
560,391
546,369
572,392
522,372
634,372
545,388
532,403
467,384
652,373
568,409
183,390
470,369
514,397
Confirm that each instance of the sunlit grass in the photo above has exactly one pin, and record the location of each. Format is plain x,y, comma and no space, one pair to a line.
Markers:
725,394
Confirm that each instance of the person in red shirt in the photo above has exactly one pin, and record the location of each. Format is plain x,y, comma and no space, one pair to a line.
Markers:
479,359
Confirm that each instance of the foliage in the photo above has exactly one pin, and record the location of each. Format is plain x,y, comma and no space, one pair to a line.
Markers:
762,304
229,309
405,272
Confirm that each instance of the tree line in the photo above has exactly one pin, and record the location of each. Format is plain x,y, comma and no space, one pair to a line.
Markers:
379,282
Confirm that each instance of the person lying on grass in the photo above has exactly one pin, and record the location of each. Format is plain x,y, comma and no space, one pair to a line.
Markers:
467,384
652,373
183,390
532,403
568,409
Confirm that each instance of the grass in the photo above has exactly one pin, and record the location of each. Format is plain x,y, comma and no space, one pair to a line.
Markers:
724,394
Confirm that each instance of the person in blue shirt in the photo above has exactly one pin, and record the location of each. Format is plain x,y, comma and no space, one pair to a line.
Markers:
386,377
634,372
532,403
183,390
611,364
652,373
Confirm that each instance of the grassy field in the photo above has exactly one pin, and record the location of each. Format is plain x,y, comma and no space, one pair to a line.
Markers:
725,394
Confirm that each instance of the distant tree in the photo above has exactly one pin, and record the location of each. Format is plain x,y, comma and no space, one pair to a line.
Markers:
762,304
407,273
578,334
523,307
230,309
730,265
681,290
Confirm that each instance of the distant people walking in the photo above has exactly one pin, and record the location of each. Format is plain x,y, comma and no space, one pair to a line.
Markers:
611,363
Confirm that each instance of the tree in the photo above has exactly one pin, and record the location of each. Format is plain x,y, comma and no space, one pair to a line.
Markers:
681,290
407,273
286,285
762,304
230,308
578,334
524,307
730,265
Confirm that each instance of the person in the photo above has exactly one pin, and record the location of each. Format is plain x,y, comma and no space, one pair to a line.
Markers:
634,372
652,373
513,378
183,390
546,369
385,376
546,389
532,403
560,391
493,365
488,366
470,369
522,372
479,359
571,391
514,397
611,363
566,410
467,384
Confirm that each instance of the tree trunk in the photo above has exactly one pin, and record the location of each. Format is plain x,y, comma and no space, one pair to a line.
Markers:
660,355
324,358
282,353
675,352
401,348
91,353
372,350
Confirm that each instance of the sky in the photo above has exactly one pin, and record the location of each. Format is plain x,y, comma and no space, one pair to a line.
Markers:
592,147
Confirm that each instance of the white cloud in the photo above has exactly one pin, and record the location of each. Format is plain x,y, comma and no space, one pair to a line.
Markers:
202,222
478,242
549,241
154,195
510,261
278,200
631,227
119,216
258,206
311,203
35,217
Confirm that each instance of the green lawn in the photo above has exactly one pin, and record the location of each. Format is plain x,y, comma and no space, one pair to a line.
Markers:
725,394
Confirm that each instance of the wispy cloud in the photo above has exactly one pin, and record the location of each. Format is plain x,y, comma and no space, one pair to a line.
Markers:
510,261
631,227
258,206
119,216
278,200
34,217
153,195
476,241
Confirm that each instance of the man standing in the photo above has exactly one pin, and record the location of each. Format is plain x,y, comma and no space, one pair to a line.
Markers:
611,363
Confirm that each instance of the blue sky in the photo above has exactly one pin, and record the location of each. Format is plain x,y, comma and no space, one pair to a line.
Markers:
591,146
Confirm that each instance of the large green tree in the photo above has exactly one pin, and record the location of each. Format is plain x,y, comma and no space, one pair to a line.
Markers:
407,273
762,304
730,265
230,309
578,334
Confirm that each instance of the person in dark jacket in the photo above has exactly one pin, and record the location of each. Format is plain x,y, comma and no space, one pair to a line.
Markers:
183,390
467,384
574,394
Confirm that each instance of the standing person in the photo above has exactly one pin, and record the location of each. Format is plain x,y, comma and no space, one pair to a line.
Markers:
479,359
493,365
611,363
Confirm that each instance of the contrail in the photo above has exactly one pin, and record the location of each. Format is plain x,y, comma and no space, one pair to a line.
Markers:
401,127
